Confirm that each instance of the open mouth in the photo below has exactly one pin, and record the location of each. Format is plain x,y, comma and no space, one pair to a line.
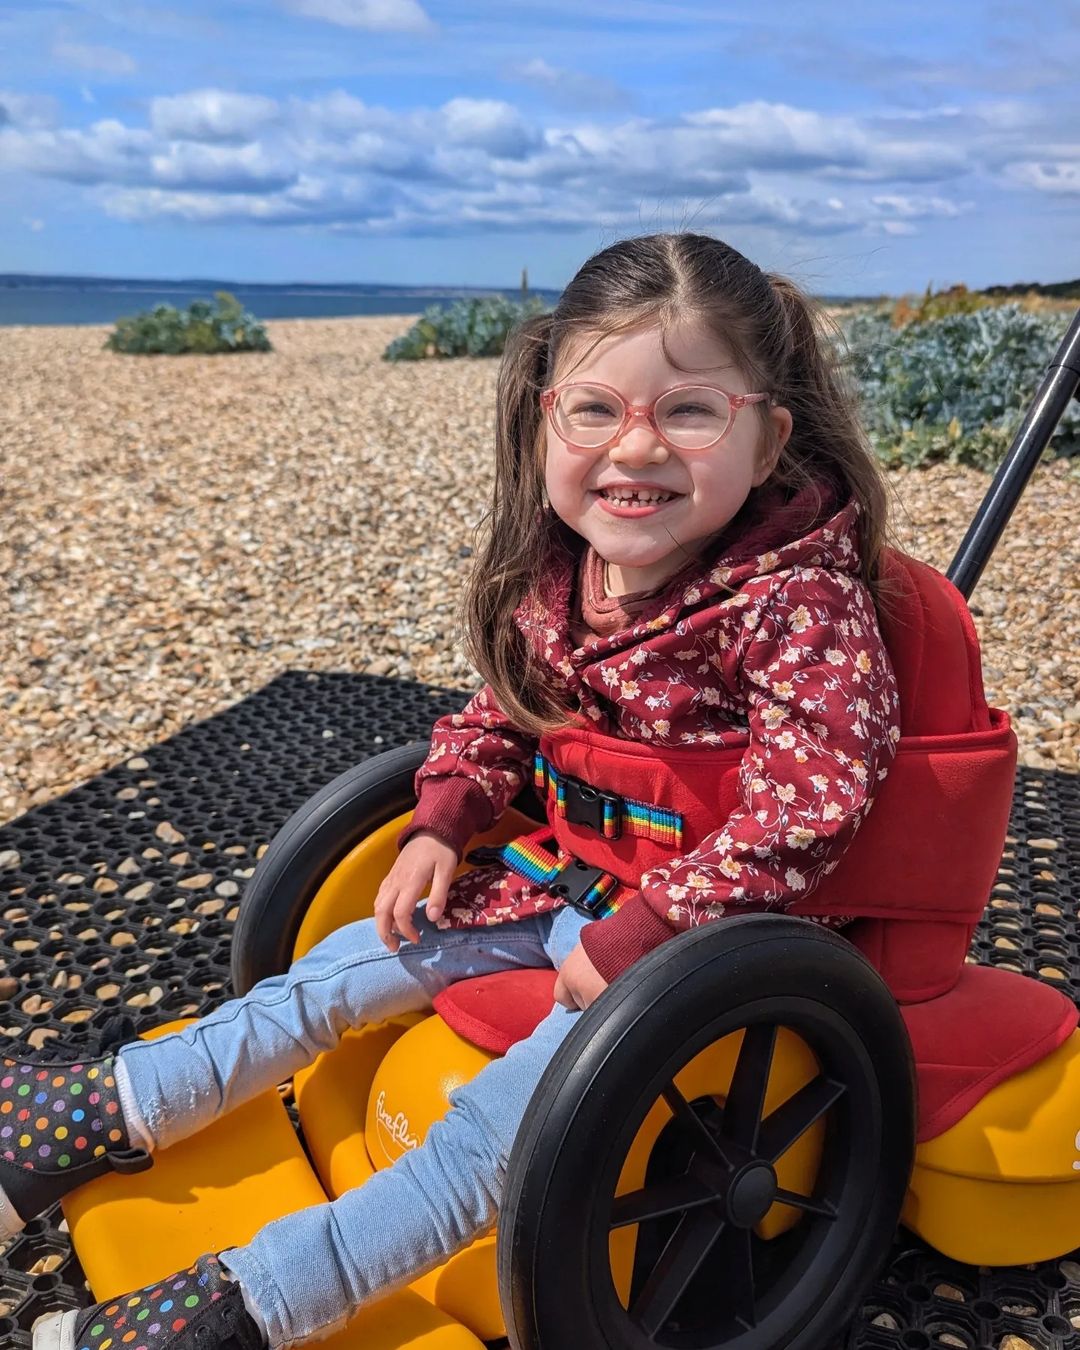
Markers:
637,496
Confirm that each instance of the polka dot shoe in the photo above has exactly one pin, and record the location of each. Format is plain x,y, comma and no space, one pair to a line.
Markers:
196,1309
60,1125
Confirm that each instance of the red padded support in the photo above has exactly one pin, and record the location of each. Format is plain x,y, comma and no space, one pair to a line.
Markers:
990,1025
934,649
495,1011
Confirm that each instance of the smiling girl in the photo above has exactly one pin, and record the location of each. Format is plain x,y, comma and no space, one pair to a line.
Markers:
682,545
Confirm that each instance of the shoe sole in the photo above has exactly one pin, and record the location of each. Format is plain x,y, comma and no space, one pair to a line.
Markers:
55,1331
10,1223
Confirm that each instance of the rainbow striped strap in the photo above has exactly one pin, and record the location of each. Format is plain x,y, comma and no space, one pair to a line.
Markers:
611,814
589,889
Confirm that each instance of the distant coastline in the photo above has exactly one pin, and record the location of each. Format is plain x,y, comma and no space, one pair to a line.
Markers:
33,300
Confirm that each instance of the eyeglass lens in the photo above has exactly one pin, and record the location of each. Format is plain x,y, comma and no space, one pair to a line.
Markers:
692,418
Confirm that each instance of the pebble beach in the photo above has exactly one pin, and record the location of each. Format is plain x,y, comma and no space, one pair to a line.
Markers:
174,532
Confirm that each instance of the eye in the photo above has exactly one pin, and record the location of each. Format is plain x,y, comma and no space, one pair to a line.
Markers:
586,405
691,410
697,404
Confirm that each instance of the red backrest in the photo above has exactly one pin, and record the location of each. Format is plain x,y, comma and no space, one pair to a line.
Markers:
934,649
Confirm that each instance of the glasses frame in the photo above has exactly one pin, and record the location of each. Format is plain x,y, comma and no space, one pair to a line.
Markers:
644,410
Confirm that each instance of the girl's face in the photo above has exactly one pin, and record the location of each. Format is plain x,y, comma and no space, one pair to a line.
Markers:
710,485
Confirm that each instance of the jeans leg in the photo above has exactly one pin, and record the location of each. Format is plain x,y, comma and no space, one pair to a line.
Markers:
181,1082
309,1272
564,934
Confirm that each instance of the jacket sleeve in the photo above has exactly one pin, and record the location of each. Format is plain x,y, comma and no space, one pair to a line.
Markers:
476,766
824,721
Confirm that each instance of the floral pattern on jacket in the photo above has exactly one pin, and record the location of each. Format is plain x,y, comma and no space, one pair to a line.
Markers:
785,645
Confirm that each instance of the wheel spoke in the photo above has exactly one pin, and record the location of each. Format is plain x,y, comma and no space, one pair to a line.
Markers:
669,1197
791,1120
734,1257
703,1137
746,1096
690,1243
807,1203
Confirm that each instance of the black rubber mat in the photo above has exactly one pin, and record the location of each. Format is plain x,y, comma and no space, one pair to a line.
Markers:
120,896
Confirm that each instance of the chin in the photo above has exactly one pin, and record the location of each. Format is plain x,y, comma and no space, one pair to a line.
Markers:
624,552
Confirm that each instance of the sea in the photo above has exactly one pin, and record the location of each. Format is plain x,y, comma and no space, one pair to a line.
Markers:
28,299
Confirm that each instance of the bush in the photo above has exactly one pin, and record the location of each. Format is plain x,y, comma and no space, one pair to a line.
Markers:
953,388
956,300
477,327
223,327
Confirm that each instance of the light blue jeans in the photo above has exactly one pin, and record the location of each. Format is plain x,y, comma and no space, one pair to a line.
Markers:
308,1272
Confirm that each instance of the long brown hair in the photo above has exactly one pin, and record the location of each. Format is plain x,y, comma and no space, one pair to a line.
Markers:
776,335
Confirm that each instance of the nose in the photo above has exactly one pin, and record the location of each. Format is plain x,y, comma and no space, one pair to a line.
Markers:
639,444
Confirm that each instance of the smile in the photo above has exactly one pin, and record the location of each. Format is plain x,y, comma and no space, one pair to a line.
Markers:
636,504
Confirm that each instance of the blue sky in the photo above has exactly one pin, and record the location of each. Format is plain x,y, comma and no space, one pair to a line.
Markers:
860,148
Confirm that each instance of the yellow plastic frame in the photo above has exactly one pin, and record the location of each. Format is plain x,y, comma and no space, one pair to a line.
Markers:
997,1188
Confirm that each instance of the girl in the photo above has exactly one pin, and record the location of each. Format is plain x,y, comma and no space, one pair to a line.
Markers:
683,540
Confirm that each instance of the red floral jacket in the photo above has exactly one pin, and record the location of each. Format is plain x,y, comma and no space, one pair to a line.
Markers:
783,643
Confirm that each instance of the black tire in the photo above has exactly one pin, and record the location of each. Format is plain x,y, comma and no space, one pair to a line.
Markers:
757,972
305,851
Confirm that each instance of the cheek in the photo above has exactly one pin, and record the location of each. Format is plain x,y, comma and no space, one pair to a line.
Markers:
563,472
550,458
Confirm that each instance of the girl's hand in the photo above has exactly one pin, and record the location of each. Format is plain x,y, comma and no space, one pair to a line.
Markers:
425,865
579,981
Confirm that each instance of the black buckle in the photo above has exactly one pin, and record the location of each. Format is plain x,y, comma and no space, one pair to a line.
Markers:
585,805
485,853
574,883
126,1160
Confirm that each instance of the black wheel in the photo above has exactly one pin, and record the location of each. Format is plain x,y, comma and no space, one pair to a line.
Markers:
305,851
703,1276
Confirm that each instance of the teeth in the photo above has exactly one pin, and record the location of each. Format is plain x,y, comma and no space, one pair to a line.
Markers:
635,494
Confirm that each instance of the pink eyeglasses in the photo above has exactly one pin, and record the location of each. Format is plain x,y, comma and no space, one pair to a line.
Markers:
592,416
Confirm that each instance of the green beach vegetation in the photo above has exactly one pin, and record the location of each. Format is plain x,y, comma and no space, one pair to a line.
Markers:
474,327
950,377
224,326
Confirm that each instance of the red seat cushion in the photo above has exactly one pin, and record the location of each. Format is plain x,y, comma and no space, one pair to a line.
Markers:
989,1026
495,1011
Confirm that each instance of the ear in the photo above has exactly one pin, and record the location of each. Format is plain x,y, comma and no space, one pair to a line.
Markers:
780,422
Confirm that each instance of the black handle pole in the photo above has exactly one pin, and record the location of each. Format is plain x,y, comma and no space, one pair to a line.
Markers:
1061,382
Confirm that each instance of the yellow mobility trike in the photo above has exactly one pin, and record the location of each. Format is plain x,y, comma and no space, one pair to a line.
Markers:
720,1152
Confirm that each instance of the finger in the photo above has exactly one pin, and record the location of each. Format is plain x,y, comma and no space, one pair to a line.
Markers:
440,892
404,918
384,925
562,994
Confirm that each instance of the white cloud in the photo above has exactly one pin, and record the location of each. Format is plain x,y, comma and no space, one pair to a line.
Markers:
914,207
28,110
338,163
107,151
490,125
230,168
197,207
154,18
778,136
211,115
1061,179
33,224
569,88
99,60
405,16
